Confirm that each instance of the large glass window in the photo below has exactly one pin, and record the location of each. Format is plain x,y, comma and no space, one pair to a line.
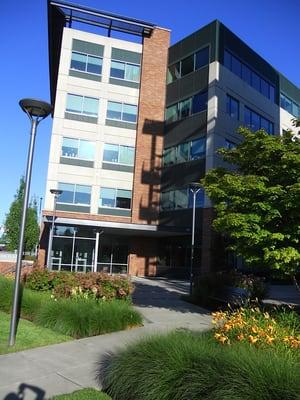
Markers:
180,199
184,152
187,107
74,194
115,153
289,105
115,198
82,105
255,121
248,75
126,71
78,148
232,107
86,63
121,111
188,64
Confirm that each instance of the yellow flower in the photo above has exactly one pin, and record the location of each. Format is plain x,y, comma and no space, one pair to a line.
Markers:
240,337
252,339
270,339
254,329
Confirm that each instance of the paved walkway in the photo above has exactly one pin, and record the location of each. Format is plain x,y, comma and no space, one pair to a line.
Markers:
46,371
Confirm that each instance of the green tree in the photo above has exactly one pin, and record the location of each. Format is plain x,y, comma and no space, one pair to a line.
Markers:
258,204
13,221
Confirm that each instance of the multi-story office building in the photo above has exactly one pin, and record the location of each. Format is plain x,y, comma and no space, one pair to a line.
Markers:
134,124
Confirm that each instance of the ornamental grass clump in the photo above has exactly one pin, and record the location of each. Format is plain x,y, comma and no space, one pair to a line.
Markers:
279,329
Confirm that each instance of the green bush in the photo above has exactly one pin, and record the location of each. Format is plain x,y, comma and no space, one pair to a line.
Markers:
74,317
207,287
82,318
186,366
77,285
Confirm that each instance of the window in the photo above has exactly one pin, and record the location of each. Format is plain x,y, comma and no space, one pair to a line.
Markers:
126,71
86,63
82,105
201,58
232,107
184,152
188,64
180,199
255,121
115,198
248,75
187,107
121,111
74,194
119,154
289,105
198,149
78,148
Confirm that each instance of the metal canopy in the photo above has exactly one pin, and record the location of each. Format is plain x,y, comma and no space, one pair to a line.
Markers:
90,16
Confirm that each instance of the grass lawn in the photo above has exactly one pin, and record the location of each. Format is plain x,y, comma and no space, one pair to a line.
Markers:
84,394
29,335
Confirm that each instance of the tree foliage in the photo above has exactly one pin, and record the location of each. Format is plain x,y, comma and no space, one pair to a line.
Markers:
13,222
258,204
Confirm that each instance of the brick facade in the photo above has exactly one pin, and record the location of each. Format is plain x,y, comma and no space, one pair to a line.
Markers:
150,129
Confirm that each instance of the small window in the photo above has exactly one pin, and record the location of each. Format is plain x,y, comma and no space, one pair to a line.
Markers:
119,154
247,117
74,194
172,113
181,198
199,102
202,58
182,152
126,71
272,94
121,111
86,63
246,74
82,105
227,59
185,108
198,149
169,156
255,82
78,148
232,107
264,88
187,65
255,121
115,198
173,72
236,67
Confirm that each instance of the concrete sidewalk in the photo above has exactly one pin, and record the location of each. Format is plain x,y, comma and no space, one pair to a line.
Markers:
66,367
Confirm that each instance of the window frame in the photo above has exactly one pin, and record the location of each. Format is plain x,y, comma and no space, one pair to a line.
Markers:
79,140
122,111
175,150
74,194
87,55
229,100
118,162
82,105
115,198
125,63
260,117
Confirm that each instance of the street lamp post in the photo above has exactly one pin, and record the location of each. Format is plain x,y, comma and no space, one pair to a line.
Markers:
57,193
195,187
36,111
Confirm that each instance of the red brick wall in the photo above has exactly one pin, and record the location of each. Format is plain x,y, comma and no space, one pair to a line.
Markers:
149,140
142,258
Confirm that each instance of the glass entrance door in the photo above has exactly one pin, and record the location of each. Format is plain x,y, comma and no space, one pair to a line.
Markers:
112,255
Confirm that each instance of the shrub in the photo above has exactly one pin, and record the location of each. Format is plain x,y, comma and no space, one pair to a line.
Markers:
74,317
187,366
77,285
82,318
210,286
276,329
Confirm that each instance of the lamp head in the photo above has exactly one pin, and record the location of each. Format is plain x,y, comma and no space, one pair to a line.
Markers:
56,192
35,108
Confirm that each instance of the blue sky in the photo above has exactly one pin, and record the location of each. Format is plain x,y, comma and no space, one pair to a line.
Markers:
269,27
